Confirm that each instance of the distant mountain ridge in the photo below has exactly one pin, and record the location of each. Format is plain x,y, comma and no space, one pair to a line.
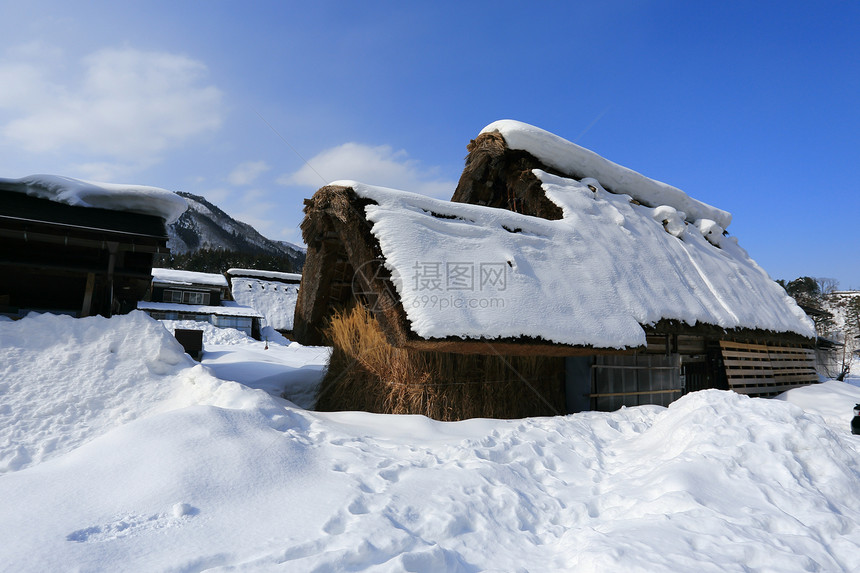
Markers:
205,226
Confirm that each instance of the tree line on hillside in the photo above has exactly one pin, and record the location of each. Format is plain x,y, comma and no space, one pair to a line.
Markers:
218,261
819,298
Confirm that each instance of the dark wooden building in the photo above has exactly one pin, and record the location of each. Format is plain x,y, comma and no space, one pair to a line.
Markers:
75,260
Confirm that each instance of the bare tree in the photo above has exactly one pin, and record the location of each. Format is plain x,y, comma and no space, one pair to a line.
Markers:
850,308
827,285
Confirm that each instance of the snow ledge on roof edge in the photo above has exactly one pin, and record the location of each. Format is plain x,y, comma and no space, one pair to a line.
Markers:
112,196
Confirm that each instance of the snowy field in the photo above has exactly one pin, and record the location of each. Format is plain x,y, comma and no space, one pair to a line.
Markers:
119,453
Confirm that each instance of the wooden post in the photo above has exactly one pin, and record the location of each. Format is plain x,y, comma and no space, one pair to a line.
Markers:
112,251
88,295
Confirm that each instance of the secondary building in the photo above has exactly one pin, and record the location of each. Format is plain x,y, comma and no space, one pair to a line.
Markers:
202,297
271,293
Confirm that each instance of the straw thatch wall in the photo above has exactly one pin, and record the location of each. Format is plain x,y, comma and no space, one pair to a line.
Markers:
366,373
497,176
339,244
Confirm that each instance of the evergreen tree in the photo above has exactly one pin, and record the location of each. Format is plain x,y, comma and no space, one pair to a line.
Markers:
218,261
806,291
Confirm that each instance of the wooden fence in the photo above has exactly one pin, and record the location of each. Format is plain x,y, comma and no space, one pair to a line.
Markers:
765,370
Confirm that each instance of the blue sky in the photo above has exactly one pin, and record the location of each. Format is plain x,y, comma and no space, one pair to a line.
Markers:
753,107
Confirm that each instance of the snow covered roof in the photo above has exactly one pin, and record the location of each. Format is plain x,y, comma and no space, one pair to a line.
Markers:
227,310
577,161
276,275
115,197
187,278
274,299
592,278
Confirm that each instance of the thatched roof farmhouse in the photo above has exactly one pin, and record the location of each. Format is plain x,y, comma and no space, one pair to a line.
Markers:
554,281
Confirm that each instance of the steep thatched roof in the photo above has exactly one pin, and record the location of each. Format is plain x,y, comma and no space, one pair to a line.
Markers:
497,176
600,278
346,264
571,266
502,157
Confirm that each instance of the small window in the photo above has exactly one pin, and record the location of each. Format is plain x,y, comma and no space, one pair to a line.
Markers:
242,323
172,296
192,297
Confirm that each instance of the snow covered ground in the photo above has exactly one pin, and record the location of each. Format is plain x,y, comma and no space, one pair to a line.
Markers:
276,365
119,453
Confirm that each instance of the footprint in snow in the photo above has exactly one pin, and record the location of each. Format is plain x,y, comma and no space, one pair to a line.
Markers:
336,525
358,507
130,524
390,475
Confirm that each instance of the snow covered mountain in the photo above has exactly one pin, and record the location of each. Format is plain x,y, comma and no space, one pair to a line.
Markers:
205,226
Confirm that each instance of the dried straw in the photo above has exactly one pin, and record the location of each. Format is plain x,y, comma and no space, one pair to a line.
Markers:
367,373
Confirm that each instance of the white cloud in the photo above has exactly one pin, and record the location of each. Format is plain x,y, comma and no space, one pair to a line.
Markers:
218,195
291,235
35,50
126,105
247,172
379,165
256,208
24,86
258,217
106,171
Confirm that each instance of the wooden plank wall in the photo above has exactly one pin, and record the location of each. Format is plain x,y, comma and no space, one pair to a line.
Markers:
765,370
634,380
678,344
